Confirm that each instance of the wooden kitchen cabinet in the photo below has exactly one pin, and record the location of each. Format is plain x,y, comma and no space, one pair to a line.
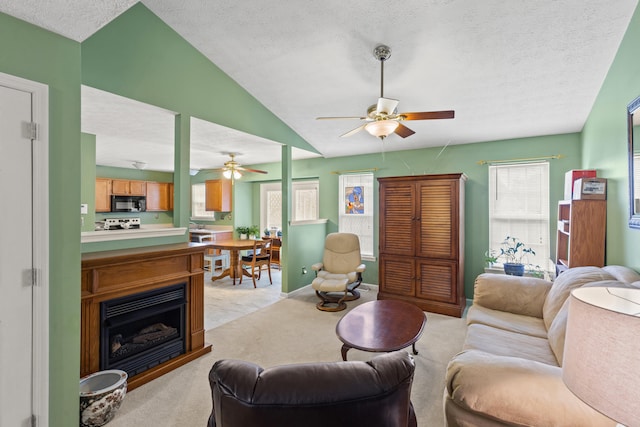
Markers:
171,196
103,195
158,197
123,187
422,241
218,195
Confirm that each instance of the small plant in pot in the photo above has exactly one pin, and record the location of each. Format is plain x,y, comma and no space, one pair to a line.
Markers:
243,232
254,232
513,252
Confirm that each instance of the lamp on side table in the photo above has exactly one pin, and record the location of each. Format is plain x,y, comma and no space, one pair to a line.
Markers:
602,351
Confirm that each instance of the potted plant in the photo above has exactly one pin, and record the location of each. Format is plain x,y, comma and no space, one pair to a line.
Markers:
254,232
513,252
243,231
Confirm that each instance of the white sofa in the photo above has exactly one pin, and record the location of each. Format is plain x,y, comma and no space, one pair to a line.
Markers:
510,370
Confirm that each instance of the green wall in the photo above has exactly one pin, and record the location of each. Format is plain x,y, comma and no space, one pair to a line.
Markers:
35,54
137,54
457,158
123,60
87,179
604,141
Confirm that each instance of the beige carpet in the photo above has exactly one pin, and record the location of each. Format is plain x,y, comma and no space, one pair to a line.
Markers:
289,331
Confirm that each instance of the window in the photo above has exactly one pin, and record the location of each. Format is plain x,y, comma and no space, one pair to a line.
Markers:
305,204
519,207
355,213
198,197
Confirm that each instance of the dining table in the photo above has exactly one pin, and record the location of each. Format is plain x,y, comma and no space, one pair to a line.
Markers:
234,246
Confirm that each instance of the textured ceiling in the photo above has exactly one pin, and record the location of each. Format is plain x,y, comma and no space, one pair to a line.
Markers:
509,68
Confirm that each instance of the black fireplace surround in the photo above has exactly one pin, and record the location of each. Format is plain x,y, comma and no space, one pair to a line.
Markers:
143,330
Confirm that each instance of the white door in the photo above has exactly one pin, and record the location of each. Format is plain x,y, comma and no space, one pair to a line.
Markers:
16,261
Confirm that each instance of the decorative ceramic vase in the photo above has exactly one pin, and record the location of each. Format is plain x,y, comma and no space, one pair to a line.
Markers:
101,394
514,269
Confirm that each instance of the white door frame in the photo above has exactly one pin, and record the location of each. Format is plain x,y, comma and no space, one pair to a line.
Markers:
40,169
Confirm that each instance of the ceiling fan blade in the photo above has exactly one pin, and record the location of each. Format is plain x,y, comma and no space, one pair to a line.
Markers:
340,118
354,131
403,131
242,168
428,115
386,105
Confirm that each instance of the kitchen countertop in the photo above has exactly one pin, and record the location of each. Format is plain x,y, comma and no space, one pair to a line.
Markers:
144,231
218,229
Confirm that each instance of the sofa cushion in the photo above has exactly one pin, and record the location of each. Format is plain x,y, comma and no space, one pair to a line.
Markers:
622,273
513,294
519,323
570,279
515,391
504,343
558,327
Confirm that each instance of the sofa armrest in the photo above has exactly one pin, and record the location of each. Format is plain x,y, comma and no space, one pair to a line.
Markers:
317,266
513,294
515,391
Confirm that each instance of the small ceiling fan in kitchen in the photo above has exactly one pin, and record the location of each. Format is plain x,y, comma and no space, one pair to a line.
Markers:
383,118
233,170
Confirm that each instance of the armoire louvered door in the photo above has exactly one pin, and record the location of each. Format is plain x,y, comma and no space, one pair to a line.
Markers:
422,241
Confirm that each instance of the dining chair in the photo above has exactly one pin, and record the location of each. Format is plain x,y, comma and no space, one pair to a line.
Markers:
276,245
259,257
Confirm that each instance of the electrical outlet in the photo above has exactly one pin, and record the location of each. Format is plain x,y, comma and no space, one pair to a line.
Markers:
304,270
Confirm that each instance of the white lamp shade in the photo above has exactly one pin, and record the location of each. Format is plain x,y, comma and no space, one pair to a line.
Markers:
601,362
381,128
228,173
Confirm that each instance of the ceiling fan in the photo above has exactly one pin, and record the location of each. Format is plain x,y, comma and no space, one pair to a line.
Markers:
233,169
383,118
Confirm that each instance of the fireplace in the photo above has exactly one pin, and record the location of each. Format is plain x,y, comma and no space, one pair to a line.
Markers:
114,282
143,330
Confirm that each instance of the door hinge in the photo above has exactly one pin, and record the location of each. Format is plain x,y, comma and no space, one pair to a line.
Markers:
30,130
32,277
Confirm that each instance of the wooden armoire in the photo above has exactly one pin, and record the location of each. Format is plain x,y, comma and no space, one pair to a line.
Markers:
422,241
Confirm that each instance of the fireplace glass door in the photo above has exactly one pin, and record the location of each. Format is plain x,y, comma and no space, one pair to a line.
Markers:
143,330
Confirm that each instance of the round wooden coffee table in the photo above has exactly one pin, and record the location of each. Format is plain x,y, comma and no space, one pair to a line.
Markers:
381,326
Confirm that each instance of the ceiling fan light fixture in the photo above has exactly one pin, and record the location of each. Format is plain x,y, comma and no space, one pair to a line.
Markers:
229,173
382,128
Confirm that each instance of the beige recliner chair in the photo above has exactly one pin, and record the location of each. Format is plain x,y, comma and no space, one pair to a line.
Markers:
339,273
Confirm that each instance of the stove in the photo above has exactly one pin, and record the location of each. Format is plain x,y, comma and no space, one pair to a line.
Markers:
121,223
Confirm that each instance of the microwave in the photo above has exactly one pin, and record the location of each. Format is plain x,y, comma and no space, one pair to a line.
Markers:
128,203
